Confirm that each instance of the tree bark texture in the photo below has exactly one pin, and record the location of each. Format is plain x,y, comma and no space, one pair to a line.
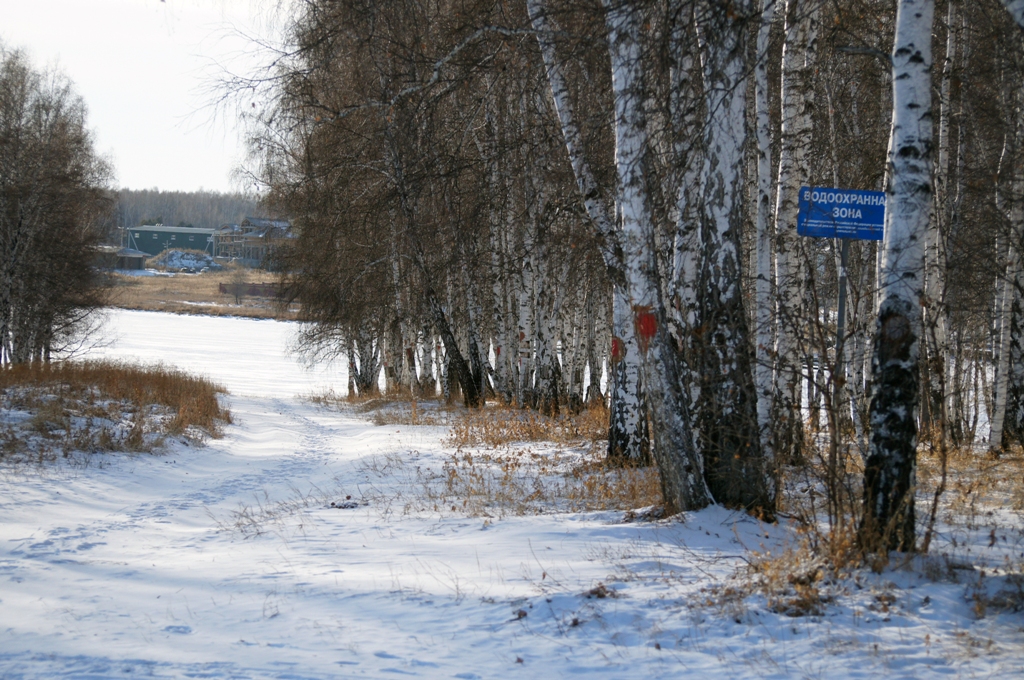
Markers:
628,440
625,407
936,314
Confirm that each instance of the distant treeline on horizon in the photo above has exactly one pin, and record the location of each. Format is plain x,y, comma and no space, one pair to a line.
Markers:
201,209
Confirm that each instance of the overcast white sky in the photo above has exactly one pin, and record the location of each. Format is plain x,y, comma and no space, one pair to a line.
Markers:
144,68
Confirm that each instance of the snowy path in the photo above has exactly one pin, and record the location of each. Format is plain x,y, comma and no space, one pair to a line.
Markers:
125,572
133,566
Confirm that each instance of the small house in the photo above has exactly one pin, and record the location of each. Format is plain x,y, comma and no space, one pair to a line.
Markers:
154,239
113,257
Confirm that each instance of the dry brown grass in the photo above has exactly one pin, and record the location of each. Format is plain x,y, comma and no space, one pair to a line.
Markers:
510,461
196,294
976,479
105,406
498,425
193,399
791,580
799,578
388,409
525,481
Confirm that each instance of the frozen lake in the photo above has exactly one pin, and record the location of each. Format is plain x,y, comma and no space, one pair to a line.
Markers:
248,356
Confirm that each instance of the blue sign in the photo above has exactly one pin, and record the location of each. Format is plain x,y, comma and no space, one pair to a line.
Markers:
841,213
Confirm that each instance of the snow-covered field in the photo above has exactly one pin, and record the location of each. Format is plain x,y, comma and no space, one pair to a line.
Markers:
227,562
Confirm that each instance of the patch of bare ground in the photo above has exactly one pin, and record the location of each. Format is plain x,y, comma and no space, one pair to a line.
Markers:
182,293
53,410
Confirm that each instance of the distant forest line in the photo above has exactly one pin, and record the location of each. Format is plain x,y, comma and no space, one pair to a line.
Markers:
201,209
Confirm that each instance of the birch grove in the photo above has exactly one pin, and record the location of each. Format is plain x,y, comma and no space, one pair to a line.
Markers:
568,204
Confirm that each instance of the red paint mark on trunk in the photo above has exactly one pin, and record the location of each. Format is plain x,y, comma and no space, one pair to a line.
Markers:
646,323
618,350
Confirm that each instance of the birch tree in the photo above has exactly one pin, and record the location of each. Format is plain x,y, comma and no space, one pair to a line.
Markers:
682,468
890,467
1007,379
738,473
763,301
1008,384
935,313
795,140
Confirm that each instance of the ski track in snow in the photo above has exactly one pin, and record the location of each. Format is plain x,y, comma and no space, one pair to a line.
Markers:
131,566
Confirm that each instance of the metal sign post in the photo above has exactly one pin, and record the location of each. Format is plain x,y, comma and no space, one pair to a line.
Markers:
844,253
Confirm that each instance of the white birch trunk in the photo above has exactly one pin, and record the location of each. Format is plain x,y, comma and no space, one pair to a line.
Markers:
595,321
512,299
628,440
499,315
574,358
547,367
1011,206
737,472
684,276
890,469
763,302
476,352
935,312
499,297
524,388
797,124
684,283
1000,332
1012,425
1013,419
1001,381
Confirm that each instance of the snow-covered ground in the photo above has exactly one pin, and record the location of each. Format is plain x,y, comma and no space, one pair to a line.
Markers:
228,562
